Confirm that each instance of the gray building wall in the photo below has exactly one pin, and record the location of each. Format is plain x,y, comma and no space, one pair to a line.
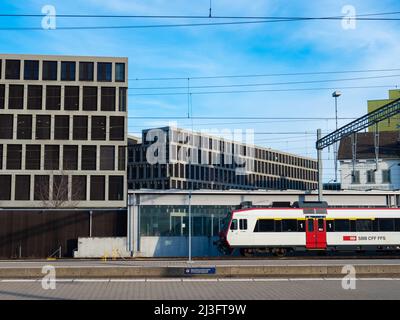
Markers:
112,108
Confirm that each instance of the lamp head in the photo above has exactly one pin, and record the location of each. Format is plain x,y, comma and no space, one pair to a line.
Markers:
336,94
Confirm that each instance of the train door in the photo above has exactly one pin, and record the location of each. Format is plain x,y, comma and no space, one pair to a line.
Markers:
315,233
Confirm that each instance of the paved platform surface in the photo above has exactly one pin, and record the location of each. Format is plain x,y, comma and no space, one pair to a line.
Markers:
216,289
196,263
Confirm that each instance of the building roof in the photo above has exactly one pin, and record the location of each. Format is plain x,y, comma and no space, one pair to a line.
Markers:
389,146
220,138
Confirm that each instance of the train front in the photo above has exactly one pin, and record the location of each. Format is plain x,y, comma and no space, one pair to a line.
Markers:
222,243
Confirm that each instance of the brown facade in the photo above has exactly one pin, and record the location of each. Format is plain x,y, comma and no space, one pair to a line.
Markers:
39,233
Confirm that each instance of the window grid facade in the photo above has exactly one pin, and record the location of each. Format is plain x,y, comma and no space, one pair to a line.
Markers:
270,169
38,104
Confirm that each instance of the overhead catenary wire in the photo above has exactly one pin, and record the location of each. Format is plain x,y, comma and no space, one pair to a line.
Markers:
265,75
263,84
73,15
261,90
249,20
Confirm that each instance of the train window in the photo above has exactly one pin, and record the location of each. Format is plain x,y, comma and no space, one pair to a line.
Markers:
289,225
397,224
310,225
353,225
320,224
329,226
243,224
265,225
363,225
342,225
386,224
300,225
278,225
234,225
375,225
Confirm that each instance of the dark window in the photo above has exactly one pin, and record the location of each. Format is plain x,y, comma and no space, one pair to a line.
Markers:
396,223
265,225
61,127
278,225
120,72
67,71
22,187
80,128
71,98
43,124
104,71
16,96
117,128
60,188
234,224
53,97
88,158
24,127
355,177
289,225
2,95
49,70
310,225
86,71
116,188
34,97
70,157
321,225
98,128
243,224
1,156
13,69
386,176
122,99
32,157
41,188
121,158
107,157
363,225
342,225
89,98
5,190
370,176
31,70
6,126
107,99
330,226
78,188
386,224
97,191
51,157
301,225
14,156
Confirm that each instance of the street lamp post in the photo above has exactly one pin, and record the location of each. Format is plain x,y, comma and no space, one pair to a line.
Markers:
336,94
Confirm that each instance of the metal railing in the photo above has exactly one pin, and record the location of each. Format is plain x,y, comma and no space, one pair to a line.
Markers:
374,117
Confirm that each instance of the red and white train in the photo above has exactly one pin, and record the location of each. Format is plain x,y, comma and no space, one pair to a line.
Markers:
280,230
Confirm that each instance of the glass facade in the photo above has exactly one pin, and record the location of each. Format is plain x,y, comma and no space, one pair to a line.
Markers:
172,220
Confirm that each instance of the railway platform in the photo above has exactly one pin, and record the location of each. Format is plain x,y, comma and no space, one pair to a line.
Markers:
238,268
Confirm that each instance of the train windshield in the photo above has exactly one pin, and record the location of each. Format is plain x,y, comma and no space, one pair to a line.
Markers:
225,221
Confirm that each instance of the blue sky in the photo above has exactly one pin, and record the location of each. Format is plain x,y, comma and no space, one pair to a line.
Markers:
229,50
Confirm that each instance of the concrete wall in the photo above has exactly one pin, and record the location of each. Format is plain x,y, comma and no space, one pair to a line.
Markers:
101,247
